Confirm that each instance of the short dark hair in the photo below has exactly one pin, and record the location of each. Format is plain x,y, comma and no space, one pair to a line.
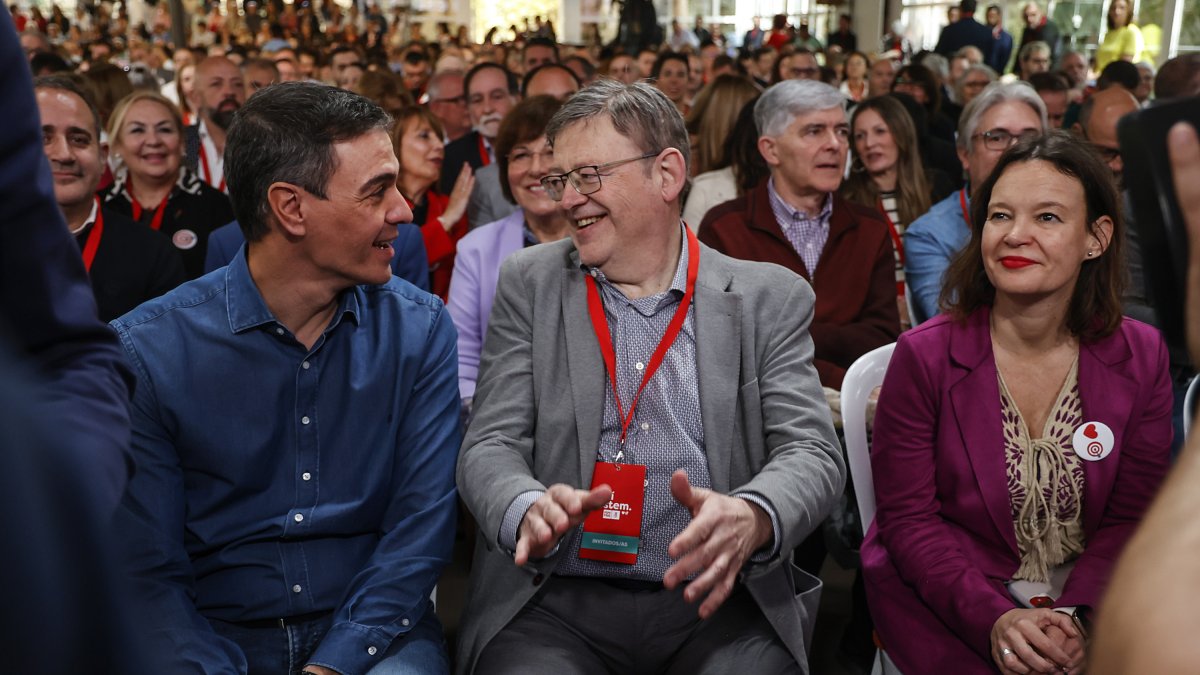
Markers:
664,58
539,42
1095,307
525,122
924,78
589,68
1119,72
1174,79
72,85
48,62
967,6
1049,81
547,66
286,133
514,87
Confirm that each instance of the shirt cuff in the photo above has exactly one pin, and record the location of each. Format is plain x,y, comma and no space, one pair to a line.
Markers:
771,549
351,649
511,524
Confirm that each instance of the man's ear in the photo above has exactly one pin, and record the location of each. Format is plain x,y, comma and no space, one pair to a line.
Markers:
766,148
103,153
672,172
287,205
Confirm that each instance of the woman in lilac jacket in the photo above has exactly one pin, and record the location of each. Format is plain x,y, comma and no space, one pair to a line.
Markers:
969,499
524,157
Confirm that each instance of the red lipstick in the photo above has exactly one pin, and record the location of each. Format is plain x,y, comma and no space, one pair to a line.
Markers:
1014,262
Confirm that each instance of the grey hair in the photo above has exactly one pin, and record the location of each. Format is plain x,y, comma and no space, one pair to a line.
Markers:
995,94
434,88
784,102
286,133
1031,47
977,68
938,64
638,111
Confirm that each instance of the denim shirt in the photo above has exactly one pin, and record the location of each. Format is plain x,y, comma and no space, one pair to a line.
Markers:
272,480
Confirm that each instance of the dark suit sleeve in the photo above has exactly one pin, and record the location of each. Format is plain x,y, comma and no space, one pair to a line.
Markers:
46,302
410,263
223,244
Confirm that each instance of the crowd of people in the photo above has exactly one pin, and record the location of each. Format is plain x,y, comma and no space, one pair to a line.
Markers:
354,276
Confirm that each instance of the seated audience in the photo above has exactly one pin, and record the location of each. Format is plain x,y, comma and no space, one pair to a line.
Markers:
1018,439
886,174
491,90
296,417
999,117
1033,58
743,168
711,588
126,263
417,140
796,219
881,76
524,158
153,187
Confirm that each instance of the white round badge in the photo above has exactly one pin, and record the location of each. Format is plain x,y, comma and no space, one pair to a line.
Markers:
1093,441
185,239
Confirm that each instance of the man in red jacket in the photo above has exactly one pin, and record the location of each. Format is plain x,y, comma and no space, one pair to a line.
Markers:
796,219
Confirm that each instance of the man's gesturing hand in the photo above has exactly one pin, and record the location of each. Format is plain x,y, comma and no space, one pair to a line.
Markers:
561,508
724,532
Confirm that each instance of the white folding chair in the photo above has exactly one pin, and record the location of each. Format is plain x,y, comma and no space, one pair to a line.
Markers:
1189,406
861,379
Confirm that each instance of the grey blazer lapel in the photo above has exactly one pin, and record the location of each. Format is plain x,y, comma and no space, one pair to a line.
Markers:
585,369
718,316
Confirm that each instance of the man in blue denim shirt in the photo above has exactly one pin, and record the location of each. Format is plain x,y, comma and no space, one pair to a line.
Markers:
296,417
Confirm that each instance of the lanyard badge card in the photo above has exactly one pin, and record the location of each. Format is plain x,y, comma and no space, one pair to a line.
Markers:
613,533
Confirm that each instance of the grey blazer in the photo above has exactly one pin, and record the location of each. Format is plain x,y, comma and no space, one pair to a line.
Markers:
540,399
487,203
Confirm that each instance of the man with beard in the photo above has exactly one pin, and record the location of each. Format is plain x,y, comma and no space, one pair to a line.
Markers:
491,91
219,92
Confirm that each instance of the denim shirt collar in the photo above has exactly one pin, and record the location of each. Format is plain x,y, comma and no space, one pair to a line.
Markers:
247,309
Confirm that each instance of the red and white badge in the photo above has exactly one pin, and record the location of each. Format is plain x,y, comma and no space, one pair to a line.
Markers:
613,533
1093,441
185,239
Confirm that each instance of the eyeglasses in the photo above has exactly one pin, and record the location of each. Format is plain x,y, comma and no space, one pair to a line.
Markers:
585,179
999,139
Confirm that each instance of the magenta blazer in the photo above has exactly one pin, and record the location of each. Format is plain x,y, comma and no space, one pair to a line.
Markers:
942,545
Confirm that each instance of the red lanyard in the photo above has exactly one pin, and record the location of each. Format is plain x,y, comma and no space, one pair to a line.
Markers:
962,200
896,240
483,152
207,173
604,337
93,242
156,221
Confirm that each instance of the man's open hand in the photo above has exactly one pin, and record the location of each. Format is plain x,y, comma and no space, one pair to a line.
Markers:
725,531
561,508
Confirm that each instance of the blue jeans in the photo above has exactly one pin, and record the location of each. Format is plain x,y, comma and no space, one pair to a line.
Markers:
285,651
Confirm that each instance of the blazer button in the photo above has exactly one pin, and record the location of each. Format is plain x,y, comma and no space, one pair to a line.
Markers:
538,579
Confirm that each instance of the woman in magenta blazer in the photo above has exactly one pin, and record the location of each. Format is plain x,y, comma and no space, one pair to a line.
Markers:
969,498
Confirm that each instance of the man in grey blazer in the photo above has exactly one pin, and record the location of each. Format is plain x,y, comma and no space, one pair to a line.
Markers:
727,460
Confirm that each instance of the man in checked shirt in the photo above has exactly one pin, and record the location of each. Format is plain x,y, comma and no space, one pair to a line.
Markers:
650,438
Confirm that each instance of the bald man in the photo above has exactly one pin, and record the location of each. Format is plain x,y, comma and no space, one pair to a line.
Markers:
219,92
1098,124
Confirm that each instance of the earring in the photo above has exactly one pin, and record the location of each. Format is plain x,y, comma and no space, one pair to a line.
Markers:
1091,253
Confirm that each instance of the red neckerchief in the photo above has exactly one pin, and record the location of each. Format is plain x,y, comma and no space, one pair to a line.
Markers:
93,241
